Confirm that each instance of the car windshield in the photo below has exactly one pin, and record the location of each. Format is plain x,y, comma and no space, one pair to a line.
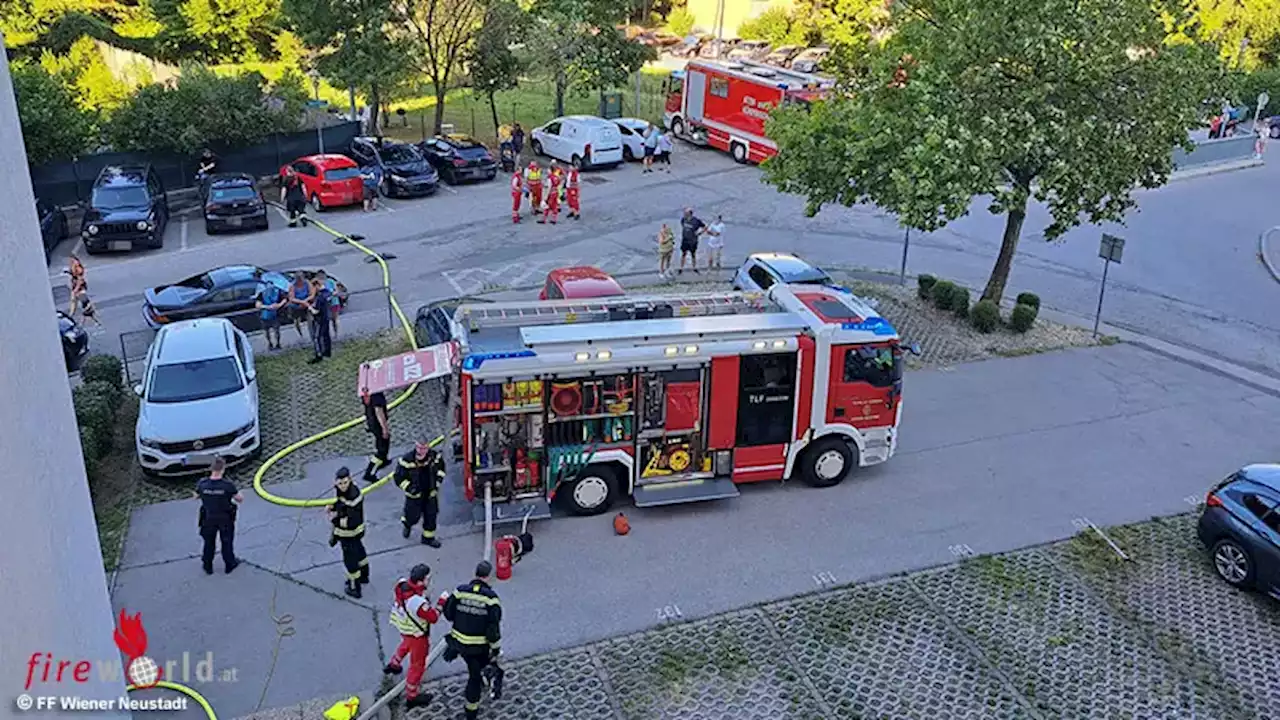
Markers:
399,154
198,380
107,198
342,174
232,194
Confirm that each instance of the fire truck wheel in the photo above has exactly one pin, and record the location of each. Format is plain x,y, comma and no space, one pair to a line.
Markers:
739,152
827,462
593,492
677,127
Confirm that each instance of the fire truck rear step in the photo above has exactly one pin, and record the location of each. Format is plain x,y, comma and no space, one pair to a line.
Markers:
505,513
683,491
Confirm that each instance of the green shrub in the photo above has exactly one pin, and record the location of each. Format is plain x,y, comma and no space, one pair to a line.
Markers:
680,22
95,407
103,368
924,285
1023,317
985,316
94,446
111,392
960,302
1031,299
942,293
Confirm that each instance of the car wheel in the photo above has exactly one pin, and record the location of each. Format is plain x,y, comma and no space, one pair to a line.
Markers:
316,203
576,162
1275,131
827,462
739,153
627,154
1233,564
209,229
677,126
384,188
593,492
537,147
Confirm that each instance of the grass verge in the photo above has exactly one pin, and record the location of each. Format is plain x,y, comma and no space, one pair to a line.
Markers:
111,485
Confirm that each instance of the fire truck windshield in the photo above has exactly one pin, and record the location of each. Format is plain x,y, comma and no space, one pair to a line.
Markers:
877,366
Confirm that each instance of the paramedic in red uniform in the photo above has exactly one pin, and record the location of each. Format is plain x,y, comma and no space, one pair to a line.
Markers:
533,183
412,616
553,193
571,194
517,190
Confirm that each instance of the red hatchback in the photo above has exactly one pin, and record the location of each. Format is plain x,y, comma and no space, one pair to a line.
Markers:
579,283
328,180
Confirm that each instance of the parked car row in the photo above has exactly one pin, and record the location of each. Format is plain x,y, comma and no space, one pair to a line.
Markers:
795,57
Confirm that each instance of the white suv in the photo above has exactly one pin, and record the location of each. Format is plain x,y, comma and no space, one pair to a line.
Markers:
580,140
199,398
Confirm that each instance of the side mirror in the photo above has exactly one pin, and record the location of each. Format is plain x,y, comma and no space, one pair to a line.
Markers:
137,389
251,375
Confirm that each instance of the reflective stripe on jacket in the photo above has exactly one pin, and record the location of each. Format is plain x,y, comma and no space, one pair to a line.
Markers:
410,619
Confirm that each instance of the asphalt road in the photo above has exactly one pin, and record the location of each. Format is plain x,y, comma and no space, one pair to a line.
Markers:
994,455
1190,273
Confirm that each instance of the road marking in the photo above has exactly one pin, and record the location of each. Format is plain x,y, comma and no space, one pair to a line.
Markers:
454,283
184,234
961,551
669,613
1193,500
824,579
445,186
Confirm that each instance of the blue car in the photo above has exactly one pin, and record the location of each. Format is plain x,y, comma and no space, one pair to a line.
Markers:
1240,526
405,171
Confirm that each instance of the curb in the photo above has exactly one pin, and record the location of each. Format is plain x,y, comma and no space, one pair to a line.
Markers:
1265,256
1215,169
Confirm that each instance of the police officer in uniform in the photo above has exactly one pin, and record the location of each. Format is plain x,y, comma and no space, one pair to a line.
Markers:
347,516
218,500
476,614
375,421
419,474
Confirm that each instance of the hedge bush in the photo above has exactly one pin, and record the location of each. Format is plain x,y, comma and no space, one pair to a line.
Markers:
960,302
95,406
1023,317
103,368
942,293
985,316
924,285
1027,298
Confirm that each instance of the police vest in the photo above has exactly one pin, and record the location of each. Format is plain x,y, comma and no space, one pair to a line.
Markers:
405,619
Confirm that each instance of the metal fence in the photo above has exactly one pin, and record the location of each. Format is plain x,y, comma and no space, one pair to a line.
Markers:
135,344
1214,152
70,181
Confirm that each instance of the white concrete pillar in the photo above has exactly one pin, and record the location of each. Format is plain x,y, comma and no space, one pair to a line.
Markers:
53,593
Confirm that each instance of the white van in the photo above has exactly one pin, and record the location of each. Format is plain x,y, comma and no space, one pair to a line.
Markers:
581,140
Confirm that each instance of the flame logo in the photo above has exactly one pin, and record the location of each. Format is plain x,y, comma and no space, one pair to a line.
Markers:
130,636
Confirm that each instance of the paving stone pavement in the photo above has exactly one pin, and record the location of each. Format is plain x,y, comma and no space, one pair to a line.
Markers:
1061,632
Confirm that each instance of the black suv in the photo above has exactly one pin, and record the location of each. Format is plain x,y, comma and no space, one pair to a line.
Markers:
232,202
128,209
405,172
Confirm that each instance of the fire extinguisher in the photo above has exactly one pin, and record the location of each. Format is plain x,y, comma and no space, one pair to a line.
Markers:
522,470
503,552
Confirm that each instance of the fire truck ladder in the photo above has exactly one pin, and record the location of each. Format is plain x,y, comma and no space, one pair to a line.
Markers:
562,312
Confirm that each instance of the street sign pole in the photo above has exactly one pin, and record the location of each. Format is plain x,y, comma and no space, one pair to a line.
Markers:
1111,250
906,244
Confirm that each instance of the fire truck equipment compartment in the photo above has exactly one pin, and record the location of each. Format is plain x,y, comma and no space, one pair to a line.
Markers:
683,491
566,399
654,332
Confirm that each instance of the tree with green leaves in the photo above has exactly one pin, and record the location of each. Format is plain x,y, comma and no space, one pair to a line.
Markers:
54,126
577,44
1072,103
83,69
442,32
493,64
356,45
202,109
218,30
1243,30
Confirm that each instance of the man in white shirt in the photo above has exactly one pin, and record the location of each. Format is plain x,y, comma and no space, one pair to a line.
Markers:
715,243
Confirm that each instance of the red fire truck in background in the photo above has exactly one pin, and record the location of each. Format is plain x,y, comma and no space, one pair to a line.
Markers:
724,104
665,400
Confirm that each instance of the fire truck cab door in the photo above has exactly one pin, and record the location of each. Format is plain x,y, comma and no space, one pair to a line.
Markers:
866,383
695,86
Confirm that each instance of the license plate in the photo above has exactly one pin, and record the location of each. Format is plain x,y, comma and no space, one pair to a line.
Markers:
197,460
233,222
120,245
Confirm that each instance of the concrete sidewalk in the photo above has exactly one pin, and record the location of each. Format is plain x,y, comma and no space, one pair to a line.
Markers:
994,455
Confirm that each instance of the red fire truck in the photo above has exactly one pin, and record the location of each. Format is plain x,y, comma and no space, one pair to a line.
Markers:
666,400
725,104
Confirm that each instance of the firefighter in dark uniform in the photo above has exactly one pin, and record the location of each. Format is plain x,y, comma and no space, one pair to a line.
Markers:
419,474
218,500
376,422
476,614
347,516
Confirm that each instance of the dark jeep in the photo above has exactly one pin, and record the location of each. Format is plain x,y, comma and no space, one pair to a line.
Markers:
128,209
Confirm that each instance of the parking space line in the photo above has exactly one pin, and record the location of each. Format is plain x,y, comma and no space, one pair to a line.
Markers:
454,283
447,187
183,245
78,250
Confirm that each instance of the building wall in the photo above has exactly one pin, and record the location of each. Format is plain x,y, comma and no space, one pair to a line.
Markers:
736,12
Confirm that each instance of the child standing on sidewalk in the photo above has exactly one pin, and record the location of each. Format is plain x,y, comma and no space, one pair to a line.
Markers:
666,248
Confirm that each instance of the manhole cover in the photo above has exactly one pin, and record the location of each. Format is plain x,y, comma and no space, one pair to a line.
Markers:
595,179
